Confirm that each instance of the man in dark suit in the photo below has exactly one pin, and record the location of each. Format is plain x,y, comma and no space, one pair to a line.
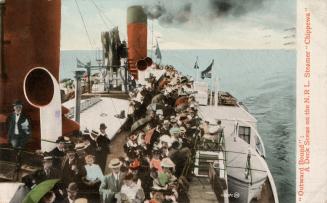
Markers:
48,171
72,193
72,168
112,183
102,150
58,152
19,126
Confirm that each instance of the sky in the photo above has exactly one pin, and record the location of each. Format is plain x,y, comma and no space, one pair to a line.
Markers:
185,24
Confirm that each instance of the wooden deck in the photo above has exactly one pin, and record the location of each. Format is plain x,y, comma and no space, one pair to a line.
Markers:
116,147
200,191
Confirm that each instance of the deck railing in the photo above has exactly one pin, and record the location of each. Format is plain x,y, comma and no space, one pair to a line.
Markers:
85,104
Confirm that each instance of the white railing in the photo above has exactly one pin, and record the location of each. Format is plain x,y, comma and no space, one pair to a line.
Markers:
85,104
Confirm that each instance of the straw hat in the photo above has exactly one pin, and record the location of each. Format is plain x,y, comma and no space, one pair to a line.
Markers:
165,138
114,163
86,132
80,146
94,133
81,200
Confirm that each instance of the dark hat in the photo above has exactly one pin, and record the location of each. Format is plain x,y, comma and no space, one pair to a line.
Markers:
17,103
103,126
175,145
72,187
60,139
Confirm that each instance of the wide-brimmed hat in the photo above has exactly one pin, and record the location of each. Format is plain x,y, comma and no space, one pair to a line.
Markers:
86,132
94,132
165,138
80,146
103,126
114,163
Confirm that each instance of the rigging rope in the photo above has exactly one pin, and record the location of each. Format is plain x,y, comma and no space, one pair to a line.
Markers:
101,15
84,24
104,18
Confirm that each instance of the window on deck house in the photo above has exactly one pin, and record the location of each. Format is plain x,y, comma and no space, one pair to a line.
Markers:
244,133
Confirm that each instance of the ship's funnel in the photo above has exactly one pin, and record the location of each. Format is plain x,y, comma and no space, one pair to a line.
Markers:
42,90
36,79
137,37
141,65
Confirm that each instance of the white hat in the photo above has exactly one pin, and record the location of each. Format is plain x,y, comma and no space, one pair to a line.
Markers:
165,138
114,163
166,122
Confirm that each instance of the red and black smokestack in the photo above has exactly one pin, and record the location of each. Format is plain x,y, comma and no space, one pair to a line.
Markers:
137,37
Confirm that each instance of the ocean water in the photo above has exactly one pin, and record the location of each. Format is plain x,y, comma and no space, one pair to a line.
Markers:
264,80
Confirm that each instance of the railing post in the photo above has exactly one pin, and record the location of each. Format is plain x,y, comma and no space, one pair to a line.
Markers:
78,76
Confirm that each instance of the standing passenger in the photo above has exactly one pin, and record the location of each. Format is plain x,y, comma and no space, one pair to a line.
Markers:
112,183
19,126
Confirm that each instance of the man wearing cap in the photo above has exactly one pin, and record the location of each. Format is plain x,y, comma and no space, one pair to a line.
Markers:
112,183
19,126
102,149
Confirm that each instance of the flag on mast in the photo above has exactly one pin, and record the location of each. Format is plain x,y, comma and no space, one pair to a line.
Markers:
207,72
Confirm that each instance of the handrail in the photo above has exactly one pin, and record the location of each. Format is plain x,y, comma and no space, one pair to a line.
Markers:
85,104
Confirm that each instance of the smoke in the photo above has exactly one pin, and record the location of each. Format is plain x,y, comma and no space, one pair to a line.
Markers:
170,12
234,7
